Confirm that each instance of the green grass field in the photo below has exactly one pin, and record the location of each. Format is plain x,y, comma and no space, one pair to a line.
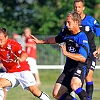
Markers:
48,78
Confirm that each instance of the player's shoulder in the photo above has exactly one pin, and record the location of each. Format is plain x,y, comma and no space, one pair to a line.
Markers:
82,34
89,17
13,42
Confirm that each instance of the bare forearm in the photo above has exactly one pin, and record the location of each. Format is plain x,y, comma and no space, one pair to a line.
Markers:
23,57
29,45
48,41
77,57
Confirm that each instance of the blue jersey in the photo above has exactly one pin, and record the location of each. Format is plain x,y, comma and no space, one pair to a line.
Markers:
92,23
80,39
87,30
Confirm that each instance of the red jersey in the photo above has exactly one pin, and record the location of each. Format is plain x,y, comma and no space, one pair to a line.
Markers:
7,55
31,50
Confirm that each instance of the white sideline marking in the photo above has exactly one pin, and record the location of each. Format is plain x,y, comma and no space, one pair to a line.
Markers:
55,67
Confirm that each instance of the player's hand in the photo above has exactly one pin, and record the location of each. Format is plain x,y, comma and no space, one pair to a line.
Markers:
17,59
96,53
63,47
35,39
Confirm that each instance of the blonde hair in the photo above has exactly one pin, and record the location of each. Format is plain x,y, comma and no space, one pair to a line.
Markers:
75,16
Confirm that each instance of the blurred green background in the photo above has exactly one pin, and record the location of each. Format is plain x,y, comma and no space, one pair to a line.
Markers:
44,17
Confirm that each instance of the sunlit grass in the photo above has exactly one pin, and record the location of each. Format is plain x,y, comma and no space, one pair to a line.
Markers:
48,78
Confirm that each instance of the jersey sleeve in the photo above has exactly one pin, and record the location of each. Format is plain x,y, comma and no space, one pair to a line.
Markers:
96,27
19,50
97,30
64,32
92,23
83,51
84,46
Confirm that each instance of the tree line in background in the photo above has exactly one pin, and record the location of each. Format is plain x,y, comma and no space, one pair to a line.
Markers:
42,16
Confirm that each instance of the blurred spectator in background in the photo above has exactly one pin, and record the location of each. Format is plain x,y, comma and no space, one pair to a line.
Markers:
3,70
19,39
31,50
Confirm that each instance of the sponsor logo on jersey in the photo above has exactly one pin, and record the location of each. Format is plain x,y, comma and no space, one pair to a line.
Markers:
87,28
71,49
85,41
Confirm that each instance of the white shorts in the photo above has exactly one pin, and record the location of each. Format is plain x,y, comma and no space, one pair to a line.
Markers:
2,73
24,78
33,65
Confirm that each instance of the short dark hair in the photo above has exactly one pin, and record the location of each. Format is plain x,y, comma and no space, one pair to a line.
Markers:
4,31
75,16
80,1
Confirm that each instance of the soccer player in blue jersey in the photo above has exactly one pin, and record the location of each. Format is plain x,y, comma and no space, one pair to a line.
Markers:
79,6
76,52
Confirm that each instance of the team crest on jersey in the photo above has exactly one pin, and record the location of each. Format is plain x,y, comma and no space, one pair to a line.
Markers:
8,56
87,28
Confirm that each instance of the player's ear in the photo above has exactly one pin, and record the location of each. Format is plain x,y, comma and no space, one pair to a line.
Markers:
83,8
76,22
6,37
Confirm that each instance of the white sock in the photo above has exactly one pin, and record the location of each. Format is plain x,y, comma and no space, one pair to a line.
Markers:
1,94
44,96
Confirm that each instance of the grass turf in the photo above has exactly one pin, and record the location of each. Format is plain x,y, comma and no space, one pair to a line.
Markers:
48,78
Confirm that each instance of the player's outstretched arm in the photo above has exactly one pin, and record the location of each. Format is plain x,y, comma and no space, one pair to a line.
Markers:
50,40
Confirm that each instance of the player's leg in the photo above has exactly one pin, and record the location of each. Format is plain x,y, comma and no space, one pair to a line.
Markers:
77,82
89,80
3,83
5,94
60,91
36,75
89,84
2,71
38,93
34,69
77,88
8,81
27,81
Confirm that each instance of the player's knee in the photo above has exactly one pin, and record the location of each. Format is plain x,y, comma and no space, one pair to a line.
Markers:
75,84
54,94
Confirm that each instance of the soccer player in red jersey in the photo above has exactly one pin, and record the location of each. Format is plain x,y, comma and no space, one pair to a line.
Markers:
18,70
